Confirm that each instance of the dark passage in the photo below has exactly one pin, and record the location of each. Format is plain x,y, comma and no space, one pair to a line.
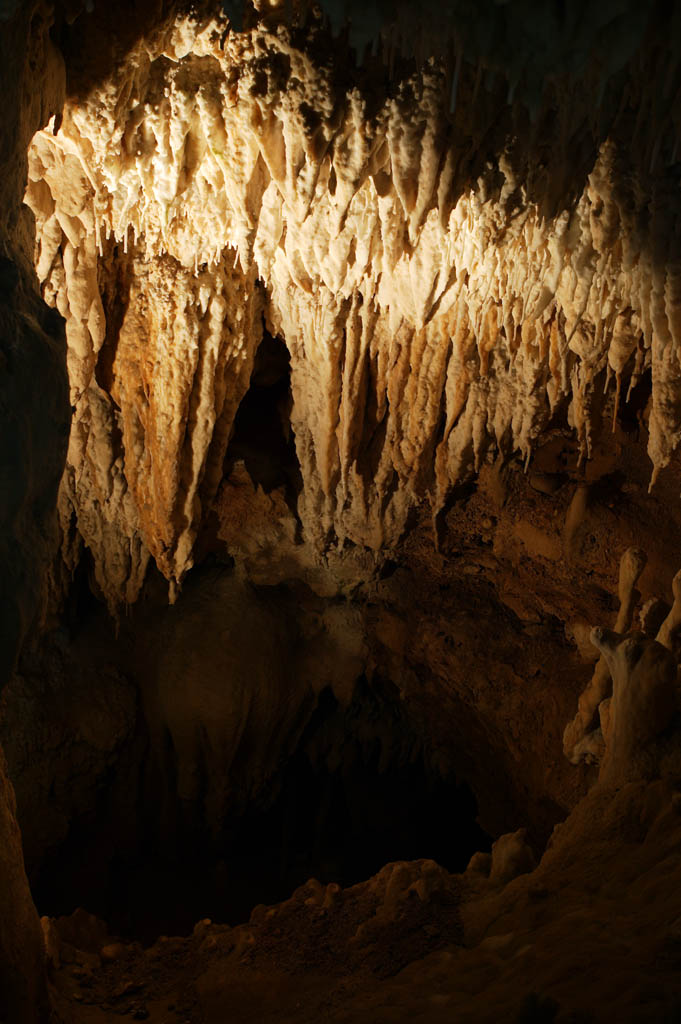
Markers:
262,435
357,793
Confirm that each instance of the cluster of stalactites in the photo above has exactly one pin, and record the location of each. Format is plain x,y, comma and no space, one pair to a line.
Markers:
426,321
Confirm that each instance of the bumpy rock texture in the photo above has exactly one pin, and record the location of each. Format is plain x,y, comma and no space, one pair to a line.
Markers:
396,346
447,281
415,943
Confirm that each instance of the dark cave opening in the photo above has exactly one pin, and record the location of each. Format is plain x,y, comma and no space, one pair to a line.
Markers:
262,437
356,787
357,792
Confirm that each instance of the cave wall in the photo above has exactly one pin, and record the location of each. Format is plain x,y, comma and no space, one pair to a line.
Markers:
162,732
35,413
35,423
453,302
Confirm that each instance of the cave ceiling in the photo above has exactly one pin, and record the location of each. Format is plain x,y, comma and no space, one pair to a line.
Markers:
371,318
461,246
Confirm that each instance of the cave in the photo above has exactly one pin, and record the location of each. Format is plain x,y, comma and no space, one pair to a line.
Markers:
355,791
340,605
261,437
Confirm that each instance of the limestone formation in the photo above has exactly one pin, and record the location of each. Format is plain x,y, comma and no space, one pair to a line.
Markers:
580,740
651,616
644,699
634,688
511,856
395,888
668,631
461,224
435,306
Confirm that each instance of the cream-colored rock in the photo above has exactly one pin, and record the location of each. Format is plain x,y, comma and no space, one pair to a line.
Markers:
651,616
642,675
670,627
429,315
643,700
578,742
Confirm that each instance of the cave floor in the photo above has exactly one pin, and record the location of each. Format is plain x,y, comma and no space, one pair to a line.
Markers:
593,934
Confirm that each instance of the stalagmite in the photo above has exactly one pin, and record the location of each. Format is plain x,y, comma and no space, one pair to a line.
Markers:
579,740
669,629
644,674
644,699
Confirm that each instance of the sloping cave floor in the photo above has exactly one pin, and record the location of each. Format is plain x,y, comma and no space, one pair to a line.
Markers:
385,710
589,936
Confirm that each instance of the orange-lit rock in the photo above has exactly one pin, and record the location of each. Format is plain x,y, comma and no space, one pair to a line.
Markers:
435,307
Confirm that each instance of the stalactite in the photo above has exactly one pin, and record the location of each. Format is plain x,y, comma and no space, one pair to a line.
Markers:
450,310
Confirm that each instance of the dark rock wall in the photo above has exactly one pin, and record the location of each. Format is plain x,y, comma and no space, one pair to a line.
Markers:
34,425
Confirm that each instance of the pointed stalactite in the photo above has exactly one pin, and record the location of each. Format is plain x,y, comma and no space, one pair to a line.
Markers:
481,299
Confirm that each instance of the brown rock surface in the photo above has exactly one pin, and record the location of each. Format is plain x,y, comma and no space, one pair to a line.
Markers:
375,364
446,951
23,994
34,411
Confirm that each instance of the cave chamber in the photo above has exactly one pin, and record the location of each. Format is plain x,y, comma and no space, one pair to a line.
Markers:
340,394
